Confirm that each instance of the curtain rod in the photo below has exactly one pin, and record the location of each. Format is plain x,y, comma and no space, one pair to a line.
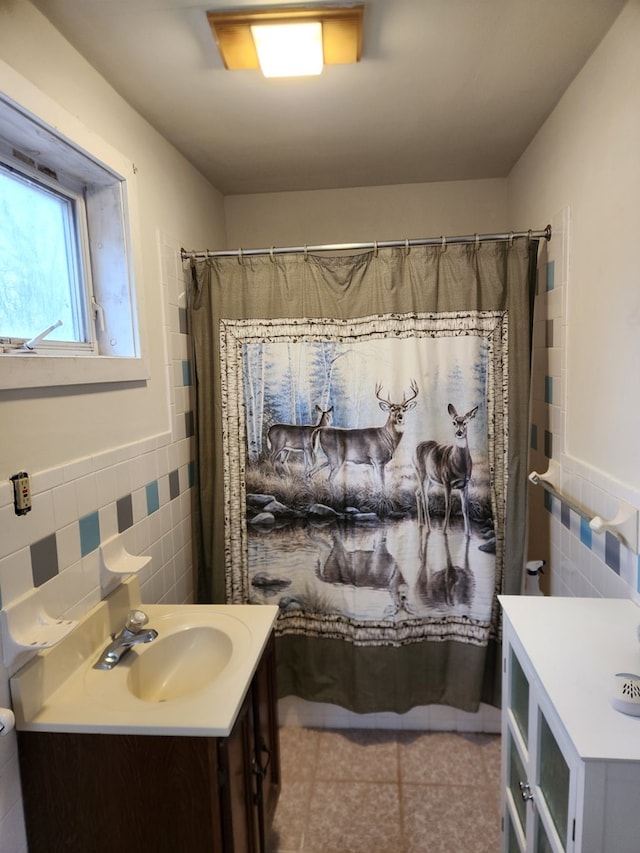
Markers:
375,245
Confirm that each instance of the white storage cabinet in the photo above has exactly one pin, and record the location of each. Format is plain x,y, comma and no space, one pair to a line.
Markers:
570,761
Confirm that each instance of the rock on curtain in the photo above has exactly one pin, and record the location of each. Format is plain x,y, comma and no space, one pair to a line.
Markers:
362,436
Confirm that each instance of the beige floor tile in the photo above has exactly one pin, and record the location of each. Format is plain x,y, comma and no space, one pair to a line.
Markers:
449,819
440,758
359,755
354,817
298,753
490,749
287,833
340,792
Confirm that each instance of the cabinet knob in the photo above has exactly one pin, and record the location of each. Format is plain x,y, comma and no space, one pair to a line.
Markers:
525,789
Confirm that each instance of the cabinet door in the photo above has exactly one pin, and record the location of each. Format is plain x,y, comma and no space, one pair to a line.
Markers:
516,793
238,793
539,786
267,741
552,786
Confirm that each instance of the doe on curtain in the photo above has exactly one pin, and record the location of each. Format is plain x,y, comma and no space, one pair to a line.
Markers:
362,447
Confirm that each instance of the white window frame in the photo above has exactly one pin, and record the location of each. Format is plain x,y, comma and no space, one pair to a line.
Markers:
33,121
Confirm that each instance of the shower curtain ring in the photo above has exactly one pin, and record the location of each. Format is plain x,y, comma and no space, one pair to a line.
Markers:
529,235
306,254
375,248
273,260
510,239
406,246
443,244
477,243
240,257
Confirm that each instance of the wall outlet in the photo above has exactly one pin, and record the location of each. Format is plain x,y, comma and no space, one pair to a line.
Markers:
21,493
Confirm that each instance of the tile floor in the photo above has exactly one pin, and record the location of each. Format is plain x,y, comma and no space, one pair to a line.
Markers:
381,791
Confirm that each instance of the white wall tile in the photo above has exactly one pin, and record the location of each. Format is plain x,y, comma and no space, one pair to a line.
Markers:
68,544
15,575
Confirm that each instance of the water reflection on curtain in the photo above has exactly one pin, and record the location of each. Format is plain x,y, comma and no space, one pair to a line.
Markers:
362,433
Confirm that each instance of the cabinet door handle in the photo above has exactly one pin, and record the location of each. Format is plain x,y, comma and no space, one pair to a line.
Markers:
525,790
264,748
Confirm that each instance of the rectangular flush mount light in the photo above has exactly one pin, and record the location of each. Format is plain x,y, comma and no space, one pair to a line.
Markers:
335,33
289,50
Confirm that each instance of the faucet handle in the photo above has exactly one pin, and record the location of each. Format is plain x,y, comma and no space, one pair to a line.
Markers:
136,620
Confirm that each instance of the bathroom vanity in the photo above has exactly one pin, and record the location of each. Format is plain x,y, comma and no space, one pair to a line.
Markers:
570,760
192,766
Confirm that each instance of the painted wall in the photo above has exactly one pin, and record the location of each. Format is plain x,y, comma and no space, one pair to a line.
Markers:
365,214
582,174
104,460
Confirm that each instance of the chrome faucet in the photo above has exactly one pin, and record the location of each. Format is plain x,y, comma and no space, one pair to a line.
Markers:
130,635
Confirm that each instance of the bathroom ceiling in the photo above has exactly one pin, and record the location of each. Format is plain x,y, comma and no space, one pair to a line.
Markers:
446,89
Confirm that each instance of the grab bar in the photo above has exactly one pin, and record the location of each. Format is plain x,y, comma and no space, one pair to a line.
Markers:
624,525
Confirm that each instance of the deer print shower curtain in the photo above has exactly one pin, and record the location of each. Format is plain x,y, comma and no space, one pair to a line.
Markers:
362,448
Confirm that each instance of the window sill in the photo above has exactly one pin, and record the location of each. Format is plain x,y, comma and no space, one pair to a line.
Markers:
44,371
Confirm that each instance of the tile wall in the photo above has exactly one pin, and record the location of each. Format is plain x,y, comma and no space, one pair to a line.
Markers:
141,490
580,562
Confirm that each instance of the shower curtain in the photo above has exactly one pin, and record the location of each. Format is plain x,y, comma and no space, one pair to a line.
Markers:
362,437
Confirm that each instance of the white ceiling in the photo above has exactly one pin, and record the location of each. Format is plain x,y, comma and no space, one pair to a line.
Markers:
446,89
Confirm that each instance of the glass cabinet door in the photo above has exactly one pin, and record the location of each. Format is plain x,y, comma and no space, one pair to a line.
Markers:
543,845
512,839
519,703
553,780
517,778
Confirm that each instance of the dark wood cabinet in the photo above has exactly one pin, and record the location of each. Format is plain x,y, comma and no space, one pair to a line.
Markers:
100,793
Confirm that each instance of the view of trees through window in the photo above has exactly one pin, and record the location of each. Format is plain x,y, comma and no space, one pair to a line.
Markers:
39,269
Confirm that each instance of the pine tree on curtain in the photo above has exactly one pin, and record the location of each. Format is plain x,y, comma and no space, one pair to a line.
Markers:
362,440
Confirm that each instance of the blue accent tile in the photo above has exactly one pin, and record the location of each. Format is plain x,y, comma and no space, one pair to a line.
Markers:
586,534
548,389
534,437
565,515
89,533
551,274
191,469
124,509
612,551
44,559
548,501
186,373
153,497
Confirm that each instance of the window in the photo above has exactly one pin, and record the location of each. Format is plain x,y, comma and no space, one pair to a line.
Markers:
41,269
67,300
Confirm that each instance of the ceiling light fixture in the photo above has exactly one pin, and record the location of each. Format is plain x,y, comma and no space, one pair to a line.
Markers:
315,36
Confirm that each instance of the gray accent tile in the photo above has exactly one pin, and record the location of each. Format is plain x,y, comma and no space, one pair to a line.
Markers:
182,321
124,507
174,484
612,552
548,340
188,423
44,559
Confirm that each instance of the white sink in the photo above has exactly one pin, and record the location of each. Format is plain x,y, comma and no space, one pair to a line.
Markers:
190,680
179,664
